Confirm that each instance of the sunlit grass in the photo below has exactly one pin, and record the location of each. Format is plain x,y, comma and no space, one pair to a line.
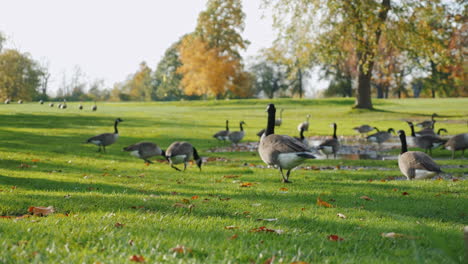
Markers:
44,162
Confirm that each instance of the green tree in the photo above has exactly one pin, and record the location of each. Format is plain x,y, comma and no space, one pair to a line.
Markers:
269,77
363,23
166,76
19,76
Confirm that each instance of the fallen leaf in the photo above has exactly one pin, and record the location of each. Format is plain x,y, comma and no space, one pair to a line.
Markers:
5,216
392,235
394,189
264,229
283,189
303,209
40,210
233,237
246,184
299,262
340,215
231,227
455,180
270,260
174,193
404,193
35,160
13,187
231,176
137,258
186,201
366,198
224,199
383,180
181,249
195,197
334,238
24,165
179,205
323,203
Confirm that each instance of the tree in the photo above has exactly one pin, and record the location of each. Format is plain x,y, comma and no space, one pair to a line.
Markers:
141,84
269,77
166,76
362,23
19,75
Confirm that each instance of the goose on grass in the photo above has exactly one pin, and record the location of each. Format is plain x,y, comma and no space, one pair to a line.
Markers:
304,125
363,129
145,150
426,142
415,164
105,139
282,151
182,152
381,136
456,143
223,134
428,123
332,145
236,136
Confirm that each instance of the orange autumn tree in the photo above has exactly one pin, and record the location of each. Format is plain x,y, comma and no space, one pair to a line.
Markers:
211,64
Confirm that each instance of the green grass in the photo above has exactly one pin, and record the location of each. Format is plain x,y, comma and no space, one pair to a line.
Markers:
92,192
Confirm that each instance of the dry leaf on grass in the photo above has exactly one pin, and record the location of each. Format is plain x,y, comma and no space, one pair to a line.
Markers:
334,238
264,229
231,227
181,249
41,211
367,198
323,203
246,184
137,258
404,193
195,197
233,237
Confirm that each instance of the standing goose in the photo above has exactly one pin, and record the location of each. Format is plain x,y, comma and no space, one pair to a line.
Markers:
428,123
415,164
279,120
106,139
182,152
223,134
41,101
236,136
381,136
282,151
145,150
426,142
20,101
304,124
363,129
301,138
94,108
7,101
51,104
457,142
80,106
331,145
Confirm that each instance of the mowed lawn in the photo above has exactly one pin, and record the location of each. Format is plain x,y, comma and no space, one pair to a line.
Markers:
112,208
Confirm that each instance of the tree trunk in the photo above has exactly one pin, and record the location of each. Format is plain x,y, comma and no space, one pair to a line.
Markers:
380,92
299,73
363,92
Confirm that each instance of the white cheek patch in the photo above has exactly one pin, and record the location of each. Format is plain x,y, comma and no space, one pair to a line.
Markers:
423,174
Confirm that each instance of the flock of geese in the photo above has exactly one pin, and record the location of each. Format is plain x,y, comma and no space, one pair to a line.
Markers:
286,153
62,105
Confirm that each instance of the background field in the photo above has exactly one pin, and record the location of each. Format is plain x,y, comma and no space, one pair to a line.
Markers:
112,206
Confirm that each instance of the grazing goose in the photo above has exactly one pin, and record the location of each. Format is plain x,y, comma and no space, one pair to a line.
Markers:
363,129
94,108
331,145
428,123
7,101
182,152
20,101
106,139
279,120
51,104
457,142
304,125
41,101
145,150
415,164
236,136
426,142
223,134
381,136
282,151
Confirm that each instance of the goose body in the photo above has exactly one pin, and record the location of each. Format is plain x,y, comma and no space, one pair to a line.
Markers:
41,101
182,152
282,151
20,101
236,136
426,142
7,101
428,123
94,108
456,143
304,125
105,139
415,164
363,129
144,150
332,145
80,107
223,134
381,136
51,104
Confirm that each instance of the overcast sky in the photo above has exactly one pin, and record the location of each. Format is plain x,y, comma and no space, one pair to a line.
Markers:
108,39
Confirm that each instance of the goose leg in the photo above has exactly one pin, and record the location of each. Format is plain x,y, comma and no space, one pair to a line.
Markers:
185,166
99,149
148,161
174,167
287,177
104,147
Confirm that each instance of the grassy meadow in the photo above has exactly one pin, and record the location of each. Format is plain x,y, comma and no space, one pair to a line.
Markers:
112,208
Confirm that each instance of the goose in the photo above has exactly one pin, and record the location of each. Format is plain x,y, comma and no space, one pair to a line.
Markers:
182,152
223,134
304,125
426,142
430,131
94,108
281,151
20,101
363,129
415,164
145,150
279,120
7,101
51,104
381,136
428,123
331,145
105,139
236,136
80,106
301,138
41,101
457,142
59,106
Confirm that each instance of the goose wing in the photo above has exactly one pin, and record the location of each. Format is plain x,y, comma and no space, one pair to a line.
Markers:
420,161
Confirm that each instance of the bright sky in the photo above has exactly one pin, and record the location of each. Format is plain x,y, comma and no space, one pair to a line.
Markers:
108,39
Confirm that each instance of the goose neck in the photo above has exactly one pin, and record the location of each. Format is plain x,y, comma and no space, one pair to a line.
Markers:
404,146
271,123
